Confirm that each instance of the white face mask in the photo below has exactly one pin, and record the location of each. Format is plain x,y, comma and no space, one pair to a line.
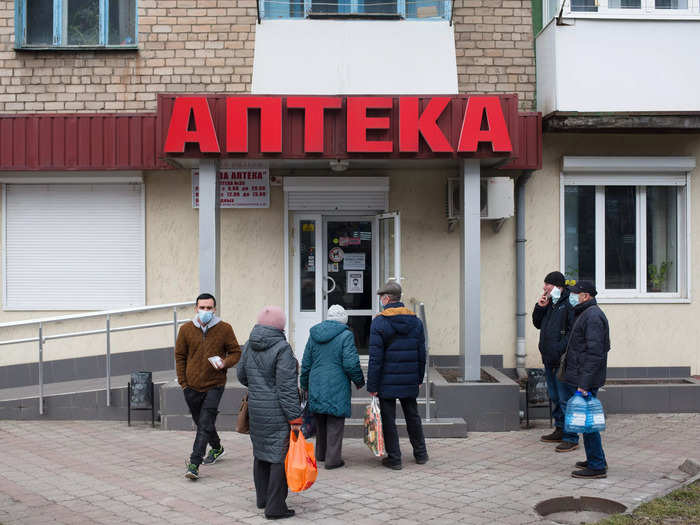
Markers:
555,294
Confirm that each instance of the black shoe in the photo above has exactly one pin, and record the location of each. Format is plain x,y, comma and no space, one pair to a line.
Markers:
288,514
393,466
422,460
554,437
214,455
584,464
587,473
331,467
566,446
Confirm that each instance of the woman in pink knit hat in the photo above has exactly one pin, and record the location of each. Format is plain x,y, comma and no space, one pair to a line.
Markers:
269,369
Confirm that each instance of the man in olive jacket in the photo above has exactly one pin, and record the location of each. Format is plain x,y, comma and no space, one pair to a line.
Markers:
203,381
584,367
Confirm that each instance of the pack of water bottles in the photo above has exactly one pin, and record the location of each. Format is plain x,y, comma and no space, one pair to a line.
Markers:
584,414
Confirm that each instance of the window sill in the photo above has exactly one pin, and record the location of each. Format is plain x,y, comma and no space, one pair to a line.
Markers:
129,48
675,16
355,16
643,300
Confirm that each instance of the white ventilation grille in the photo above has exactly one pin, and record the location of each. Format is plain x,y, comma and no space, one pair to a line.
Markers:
74,246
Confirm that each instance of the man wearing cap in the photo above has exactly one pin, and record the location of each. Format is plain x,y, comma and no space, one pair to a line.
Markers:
396,369
584,366
553,316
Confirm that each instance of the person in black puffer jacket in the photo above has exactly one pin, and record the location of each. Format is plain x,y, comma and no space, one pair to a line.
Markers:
554,316
396,370
270,371
584,367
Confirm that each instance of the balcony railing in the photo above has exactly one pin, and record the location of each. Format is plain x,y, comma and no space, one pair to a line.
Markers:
375,9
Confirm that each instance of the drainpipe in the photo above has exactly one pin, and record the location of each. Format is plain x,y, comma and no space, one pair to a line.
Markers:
521,313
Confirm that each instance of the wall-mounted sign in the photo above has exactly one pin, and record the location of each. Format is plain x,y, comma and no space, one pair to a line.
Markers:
477,119
355,282
243,187
354,261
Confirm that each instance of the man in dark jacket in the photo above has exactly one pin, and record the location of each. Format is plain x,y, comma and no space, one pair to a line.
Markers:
554,316
396,369
206,347
584,367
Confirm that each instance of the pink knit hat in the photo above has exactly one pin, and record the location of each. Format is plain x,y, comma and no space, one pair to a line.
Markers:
272,316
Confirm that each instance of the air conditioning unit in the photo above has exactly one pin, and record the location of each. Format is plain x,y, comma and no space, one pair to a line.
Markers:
497,198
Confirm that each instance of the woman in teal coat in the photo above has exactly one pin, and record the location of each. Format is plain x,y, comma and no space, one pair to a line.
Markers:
330,362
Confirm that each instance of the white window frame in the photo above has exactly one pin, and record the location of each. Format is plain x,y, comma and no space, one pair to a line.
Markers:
646,10
639,172
91,177
60,32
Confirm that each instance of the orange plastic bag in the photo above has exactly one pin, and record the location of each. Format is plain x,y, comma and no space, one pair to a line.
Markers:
300,463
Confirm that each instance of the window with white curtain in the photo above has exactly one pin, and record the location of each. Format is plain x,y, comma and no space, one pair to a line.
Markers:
662,9
627,232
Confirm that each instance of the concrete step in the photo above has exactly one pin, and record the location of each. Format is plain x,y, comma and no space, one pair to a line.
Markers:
354,427
359,404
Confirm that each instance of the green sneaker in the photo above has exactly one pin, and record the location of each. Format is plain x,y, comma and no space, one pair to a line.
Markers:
214,455
192,471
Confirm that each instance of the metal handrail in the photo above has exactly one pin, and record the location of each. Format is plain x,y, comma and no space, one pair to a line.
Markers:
421,315
107,330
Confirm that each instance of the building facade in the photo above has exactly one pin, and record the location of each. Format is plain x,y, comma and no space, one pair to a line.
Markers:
122,122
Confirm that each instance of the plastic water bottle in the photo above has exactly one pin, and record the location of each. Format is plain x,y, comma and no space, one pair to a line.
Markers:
595,417
576,410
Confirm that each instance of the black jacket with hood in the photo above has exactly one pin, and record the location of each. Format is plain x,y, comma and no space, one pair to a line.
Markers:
554,322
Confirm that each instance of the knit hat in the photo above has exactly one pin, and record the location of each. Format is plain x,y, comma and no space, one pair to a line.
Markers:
272,316
337,313
555,278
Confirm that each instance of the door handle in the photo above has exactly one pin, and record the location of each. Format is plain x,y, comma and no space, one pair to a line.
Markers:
329,290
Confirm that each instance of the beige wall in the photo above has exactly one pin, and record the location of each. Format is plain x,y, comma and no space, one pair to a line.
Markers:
641,334
252,262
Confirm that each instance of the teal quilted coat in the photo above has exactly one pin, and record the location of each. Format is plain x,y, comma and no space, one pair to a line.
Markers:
330,362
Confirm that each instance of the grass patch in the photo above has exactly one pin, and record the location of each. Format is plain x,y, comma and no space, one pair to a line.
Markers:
681,506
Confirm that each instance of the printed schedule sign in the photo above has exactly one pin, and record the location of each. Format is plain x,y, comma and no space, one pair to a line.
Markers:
247,187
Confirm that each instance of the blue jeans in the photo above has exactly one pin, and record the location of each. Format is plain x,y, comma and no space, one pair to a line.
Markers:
559,397
591,442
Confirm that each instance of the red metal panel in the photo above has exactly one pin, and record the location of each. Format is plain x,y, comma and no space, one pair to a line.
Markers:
59,142
84,142
19,157
71,124
32,142
96,141
46,143
6,142
148,149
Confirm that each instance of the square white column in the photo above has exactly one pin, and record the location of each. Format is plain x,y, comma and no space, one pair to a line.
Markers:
470,270
209,228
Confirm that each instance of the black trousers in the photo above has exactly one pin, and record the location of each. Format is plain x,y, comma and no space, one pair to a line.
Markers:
329,439
413,426
204,406
270,487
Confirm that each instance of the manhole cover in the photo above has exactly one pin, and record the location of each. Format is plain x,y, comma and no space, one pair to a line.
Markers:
576,511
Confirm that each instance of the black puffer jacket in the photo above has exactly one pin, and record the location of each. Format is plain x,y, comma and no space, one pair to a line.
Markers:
554,322
269,369
586,359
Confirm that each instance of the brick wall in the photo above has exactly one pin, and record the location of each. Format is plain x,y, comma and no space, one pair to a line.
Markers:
184,46
207,46
495,48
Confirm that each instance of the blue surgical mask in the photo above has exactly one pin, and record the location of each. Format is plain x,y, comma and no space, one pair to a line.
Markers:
205,316
555,294
573,299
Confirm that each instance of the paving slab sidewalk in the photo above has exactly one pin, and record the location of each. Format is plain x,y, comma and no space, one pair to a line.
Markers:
103,472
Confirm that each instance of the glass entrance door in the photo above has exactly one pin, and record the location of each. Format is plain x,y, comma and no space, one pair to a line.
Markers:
350,278
341,260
